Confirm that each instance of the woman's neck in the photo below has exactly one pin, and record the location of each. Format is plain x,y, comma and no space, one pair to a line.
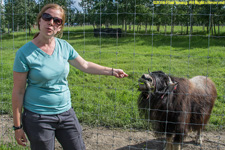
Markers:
45,44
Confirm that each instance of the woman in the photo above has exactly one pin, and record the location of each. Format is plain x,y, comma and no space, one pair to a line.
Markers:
40,87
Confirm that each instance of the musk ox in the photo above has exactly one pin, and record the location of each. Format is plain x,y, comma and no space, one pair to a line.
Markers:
175,105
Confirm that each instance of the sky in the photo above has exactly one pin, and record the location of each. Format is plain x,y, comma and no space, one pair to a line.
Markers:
77,6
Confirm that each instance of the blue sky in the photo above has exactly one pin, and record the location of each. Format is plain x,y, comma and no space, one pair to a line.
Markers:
77,6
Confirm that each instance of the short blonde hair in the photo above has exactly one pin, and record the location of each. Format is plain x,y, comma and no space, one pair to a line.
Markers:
52,6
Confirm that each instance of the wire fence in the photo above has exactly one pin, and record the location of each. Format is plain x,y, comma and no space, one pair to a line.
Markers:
180,38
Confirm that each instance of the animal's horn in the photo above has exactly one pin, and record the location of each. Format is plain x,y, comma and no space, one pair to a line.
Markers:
149,71
170,81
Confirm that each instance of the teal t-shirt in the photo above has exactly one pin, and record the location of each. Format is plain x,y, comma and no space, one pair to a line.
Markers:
47,90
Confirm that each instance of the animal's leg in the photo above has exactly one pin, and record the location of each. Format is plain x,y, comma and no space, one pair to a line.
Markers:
178,139
176,147
199,138
169,143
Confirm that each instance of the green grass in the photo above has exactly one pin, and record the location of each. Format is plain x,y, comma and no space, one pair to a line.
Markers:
108,101
12,146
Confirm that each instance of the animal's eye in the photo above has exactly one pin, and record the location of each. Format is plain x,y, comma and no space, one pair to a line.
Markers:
149,79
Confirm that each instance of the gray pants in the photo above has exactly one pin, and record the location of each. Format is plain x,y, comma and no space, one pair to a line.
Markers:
41,130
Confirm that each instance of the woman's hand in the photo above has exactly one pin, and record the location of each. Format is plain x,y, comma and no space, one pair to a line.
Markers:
20,137
119,73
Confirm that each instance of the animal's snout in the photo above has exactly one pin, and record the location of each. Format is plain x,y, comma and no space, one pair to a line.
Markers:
145,82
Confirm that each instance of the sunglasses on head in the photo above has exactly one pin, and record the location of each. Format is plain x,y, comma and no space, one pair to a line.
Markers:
48,17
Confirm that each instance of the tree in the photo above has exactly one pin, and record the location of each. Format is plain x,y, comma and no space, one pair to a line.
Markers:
22,14
162,16
19,15
2,19
100,12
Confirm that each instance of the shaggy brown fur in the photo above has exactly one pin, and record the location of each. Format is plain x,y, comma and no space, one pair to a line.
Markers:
176,105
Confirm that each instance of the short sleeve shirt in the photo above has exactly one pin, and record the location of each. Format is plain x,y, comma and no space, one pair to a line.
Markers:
47,89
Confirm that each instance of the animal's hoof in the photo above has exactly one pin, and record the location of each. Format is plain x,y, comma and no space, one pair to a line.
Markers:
198,140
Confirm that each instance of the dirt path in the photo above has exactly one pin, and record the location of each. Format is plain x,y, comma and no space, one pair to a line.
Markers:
100,138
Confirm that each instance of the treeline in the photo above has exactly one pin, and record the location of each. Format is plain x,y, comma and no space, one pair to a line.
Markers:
128,14
138,13
21,14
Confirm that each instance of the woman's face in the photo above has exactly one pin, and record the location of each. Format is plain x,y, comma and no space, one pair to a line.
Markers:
49,27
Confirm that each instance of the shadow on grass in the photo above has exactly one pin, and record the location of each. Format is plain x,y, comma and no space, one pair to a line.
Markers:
156,144
182,42
196,40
